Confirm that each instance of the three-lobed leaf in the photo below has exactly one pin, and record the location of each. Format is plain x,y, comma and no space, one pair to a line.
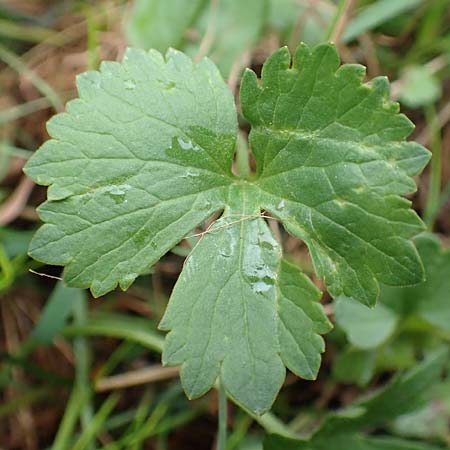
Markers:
332,164
144,156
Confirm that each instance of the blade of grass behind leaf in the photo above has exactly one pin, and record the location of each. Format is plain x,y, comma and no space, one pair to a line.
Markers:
376,14
56,312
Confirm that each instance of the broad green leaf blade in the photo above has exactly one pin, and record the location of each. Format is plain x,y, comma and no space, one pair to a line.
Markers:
136,163
332,164
365,328
15,242
284,17
224,29
353,366
348,442
133,329
429,422
231,28
429,300
419,87
159,24
301,321
223,312
232,299
56,313
375,15
406,392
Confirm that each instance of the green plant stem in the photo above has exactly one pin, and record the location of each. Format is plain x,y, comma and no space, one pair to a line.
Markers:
88,435
23,109
342,9
15,151
7,270
434,189
223,419
83,362
28,33
242,157
240,429
92,39
69,420
119,328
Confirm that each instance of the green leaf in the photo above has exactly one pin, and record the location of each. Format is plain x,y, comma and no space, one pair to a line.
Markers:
285,16
56,313
301,321
144,156
376,14
133,329
231,27
251,313
332,166
430,422
15,242
222,29
134,165
365,328
385,328
158,24
406,392
430,299
354,366
419,88
349,442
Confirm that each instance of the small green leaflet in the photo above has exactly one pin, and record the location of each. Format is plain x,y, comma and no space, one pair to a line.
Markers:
158,24
428,301
223,29
144,156
366,328
406,392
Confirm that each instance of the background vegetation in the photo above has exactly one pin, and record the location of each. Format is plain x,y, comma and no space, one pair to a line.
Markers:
78,373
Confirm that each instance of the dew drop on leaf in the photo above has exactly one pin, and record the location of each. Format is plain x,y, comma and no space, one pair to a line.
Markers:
186,144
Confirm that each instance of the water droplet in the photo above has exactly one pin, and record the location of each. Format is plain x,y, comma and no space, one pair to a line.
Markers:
130,85
190,174
266,240
205,205
261,279
260,287
140,238
117,192
341,203
281,205
186,145
169,85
